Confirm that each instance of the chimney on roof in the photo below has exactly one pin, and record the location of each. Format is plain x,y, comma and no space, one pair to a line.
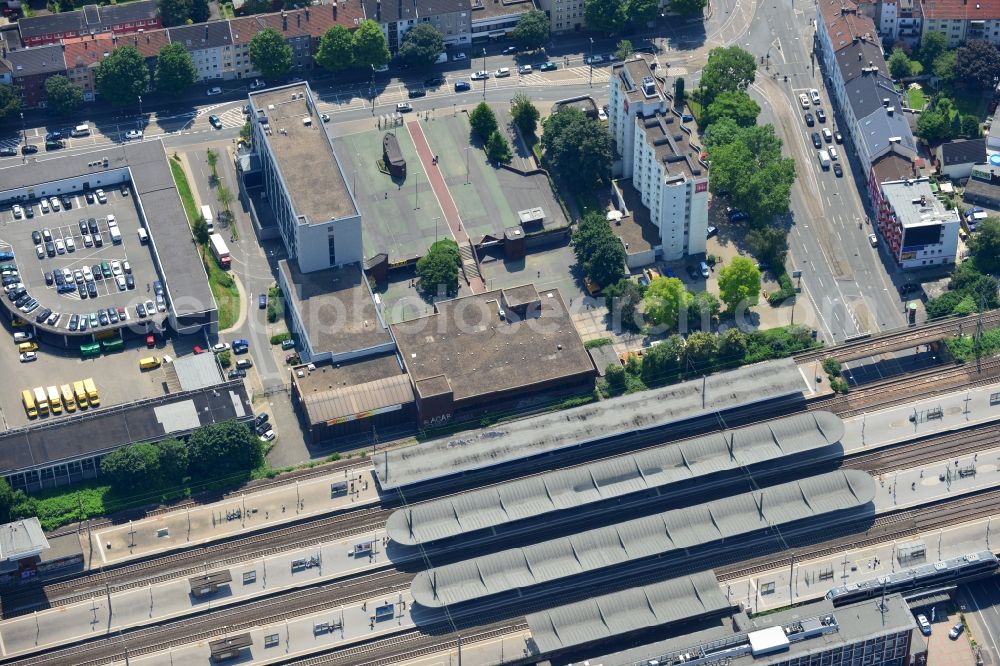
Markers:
307,11
891,110
298,20
860,56
206,32
334,10
378,10
284,21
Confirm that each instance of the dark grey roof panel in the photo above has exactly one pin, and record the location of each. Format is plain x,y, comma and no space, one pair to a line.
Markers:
618,613
525,438
659,534
577,487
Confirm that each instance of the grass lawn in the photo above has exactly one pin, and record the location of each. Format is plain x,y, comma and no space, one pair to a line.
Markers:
916,98
223,288
971,105
695,108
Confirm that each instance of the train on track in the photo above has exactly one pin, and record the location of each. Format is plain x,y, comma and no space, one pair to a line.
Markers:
948,572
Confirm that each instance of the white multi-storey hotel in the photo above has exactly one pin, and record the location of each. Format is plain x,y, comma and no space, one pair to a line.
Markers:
660,155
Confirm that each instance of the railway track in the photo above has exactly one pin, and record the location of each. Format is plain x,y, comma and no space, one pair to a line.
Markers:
929,450
232,619
881,343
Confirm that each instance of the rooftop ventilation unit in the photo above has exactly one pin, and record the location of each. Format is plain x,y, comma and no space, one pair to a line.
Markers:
648,86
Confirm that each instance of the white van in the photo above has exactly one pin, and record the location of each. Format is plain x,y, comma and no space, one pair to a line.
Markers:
81,130
116,235
441,59
824,159
143,237
206,212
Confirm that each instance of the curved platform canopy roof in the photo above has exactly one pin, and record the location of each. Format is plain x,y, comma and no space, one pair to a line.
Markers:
610,615
577,487
650,536
540,435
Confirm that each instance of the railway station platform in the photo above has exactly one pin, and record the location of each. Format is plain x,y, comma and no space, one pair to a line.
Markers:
301,635
944,479
939,414
812,578
178,597
230,517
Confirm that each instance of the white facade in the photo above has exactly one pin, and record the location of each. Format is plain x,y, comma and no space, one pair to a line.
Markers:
628,100
920,230
564,15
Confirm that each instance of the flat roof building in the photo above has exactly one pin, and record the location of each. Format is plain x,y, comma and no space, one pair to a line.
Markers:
304,180
22,539
919,230
478,351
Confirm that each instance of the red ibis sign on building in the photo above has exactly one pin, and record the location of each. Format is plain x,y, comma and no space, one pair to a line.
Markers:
701,187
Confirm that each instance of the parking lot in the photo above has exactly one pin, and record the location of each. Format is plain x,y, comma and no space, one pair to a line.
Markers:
80,242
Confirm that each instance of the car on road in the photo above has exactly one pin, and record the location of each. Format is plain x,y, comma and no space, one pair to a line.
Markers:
711,231
833,153
8,152
416,92
459,56
462,86
804,100
594,60
28,149
18,211
133,134
481,75
262,301
821,115
548,66
54,145
244,363
214,120
827,135
524,69
838,137
873,240
509,50
257,83
815,96
736,215
27,357
404,107
817,142
810,121
214,91
220,347
502,73
324,117
956,631
838,170
433,81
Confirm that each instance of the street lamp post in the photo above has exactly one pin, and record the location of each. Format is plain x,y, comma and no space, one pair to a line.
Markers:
24,133
486,75
373,89
591,61
141,123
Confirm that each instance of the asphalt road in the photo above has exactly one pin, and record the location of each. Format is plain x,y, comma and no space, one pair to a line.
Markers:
982,598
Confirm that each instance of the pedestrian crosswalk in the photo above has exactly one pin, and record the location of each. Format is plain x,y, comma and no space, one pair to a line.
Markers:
232,118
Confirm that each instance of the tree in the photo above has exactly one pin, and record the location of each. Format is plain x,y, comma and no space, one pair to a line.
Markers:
734,104
622,300
578,148
175,70
10,101
688,7
438,269
934,126
606,16
899,64
174,12
532,29
62,96
122,77
662,361
270,54
639,13
977,65
336,49
498,149
769,244
728,68
722,132
666,300
985,245
173,457
598,251
932,46
733,346
483,121
944,67
223,449
753,170
525,115
370,47
421,46
200,11
6,500
624,50
134,467
700,349
739,283
679,94
614,375
970,127
199,229
704,309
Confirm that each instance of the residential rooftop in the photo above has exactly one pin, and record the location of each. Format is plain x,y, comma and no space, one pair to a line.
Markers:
672,145
213,34
478,345
46,59
488,9
635,230
859,58
336,308
89,18
638,82
915,204
302,148
893,166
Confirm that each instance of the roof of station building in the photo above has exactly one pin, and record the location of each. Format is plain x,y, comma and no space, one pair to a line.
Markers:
580,486
650,536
